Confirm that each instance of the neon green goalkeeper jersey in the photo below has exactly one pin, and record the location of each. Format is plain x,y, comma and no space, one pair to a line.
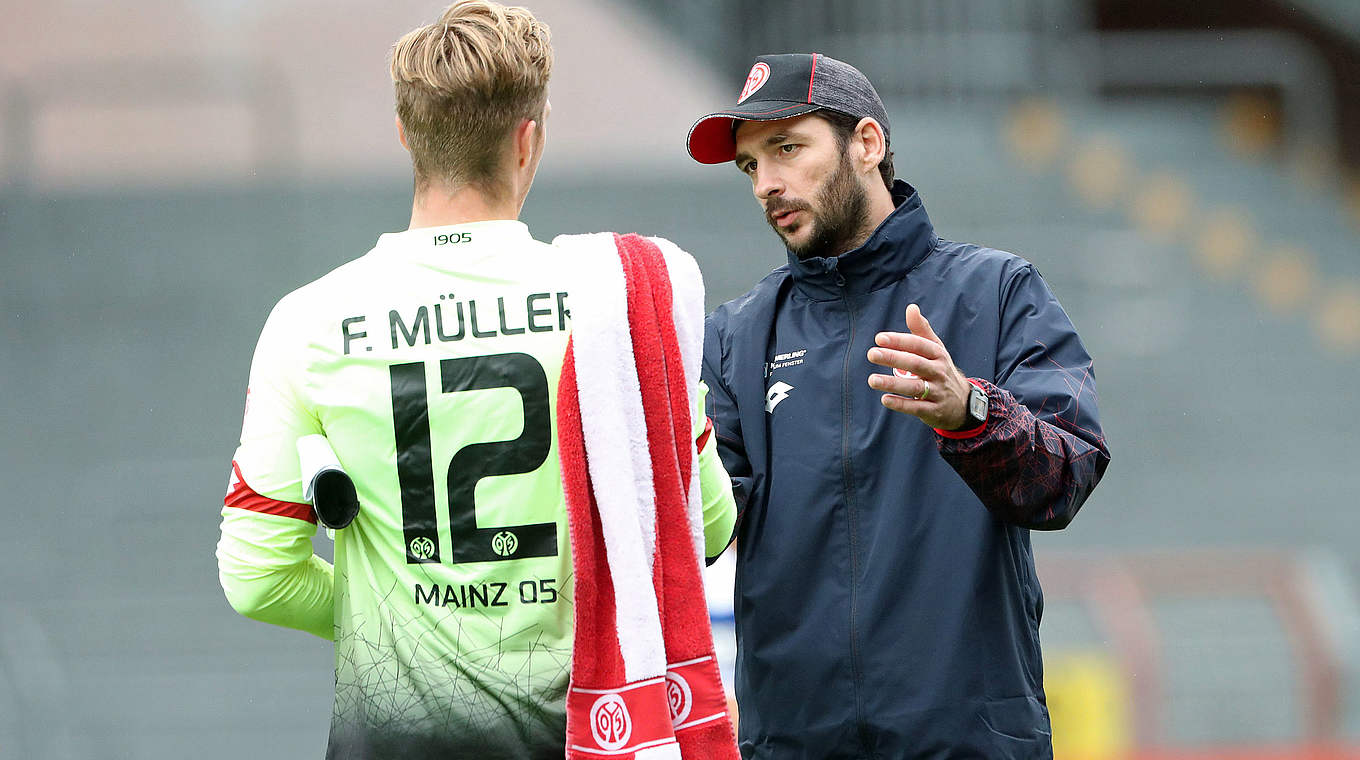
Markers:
431,366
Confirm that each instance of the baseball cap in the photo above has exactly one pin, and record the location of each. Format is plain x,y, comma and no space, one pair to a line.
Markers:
783,86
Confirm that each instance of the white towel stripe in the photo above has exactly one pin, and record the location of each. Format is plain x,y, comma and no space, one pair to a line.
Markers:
700,721
674,665
620,465
621,689
627,750
687,297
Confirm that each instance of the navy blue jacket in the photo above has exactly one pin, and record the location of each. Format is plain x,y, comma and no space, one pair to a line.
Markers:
886,599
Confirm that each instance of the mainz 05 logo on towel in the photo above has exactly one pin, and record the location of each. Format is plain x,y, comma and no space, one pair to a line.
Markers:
610,723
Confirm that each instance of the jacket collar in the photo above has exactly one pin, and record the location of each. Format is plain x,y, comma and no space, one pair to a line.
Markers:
901,242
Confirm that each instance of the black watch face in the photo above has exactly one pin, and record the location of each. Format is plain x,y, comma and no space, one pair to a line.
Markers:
977,404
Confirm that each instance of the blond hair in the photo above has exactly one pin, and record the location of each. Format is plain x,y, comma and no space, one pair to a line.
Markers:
463,83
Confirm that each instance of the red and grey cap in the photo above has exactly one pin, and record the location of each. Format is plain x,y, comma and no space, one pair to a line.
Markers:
783,86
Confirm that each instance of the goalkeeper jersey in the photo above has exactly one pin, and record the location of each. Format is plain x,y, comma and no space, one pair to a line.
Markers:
431,365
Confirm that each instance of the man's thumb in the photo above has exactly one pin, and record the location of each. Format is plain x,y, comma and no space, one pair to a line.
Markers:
917,323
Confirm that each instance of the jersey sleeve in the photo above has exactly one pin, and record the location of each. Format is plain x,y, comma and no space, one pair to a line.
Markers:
265,560
715,487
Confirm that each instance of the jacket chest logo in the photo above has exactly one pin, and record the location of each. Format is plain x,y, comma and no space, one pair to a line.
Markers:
784,360
777,393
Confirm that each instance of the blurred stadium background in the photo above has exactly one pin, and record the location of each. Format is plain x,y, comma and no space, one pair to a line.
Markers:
1185,176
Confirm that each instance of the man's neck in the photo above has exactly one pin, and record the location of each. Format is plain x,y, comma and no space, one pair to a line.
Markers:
879,207
436,206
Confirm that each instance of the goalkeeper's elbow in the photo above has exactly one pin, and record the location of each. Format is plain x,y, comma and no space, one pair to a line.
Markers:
279,598
248,596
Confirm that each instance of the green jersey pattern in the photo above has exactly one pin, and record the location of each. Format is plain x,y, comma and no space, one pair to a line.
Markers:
431,365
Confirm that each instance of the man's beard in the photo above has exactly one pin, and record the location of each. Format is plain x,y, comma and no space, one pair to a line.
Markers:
844,215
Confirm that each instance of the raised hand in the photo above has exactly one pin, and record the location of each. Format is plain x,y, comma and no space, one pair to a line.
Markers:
924,382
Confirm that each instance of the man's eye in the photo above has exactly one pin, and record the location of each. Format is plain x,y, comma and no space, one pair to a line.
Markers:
748,167
788,147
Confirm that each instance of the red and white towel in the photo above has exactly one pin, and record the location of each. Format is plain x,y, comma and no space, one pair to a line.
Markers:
644,680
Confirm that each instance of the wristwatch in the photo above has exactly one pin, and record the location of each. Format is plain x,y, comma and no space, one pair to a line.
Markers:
976,408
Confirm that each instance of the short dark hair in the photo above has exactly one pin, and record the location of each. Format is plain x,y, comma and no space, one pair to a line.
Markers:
843,125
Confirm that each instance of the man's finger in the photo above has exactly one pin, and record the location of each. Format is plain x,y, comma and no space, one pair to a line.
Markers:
913,363
907,405
916,344
910,387
919,325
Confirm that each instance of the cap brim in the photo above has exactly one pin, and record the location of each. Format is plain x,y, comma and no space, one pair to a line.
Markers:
711,140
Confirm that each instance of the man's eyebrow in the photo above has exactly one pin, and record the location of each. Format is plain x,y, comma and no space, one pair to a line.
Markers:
774,139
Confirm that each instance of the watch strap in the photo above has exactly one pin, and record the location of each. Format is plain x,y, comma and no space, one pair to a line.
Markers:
971,426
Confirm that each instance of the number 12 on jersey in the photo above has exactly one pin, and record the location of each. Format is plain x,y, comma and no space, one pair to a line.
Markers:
471,463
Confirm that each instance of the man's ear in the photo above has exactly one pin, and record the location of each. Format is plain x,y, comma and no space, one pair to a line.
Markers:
401,133
870,135
524,139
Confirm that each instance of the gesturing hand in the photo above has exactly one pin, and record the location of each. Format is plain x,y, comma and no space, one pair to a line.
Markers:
924,383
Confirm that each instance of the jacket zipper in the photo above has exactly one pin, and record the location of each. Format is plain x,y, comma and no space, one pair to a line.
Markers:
852,518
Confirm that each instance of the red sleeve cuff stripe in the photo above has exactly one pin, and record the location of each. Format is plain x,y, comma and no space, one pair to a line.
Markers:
961,434
958,434
242,496
702,440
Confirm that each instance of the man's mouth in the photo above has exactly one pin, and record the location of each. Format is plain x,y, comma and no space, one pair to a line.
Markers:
785,218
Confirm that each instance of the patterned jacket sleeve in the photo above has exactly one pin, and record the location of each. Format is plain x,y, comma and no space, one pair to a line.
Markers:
1041,451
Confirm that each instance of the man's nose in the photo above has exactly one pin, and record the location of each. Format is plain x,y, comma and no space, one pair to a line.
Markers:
767,184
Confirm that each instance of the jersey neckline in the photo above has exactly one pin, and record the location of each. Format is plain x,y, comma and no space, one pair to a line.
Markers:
456,235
